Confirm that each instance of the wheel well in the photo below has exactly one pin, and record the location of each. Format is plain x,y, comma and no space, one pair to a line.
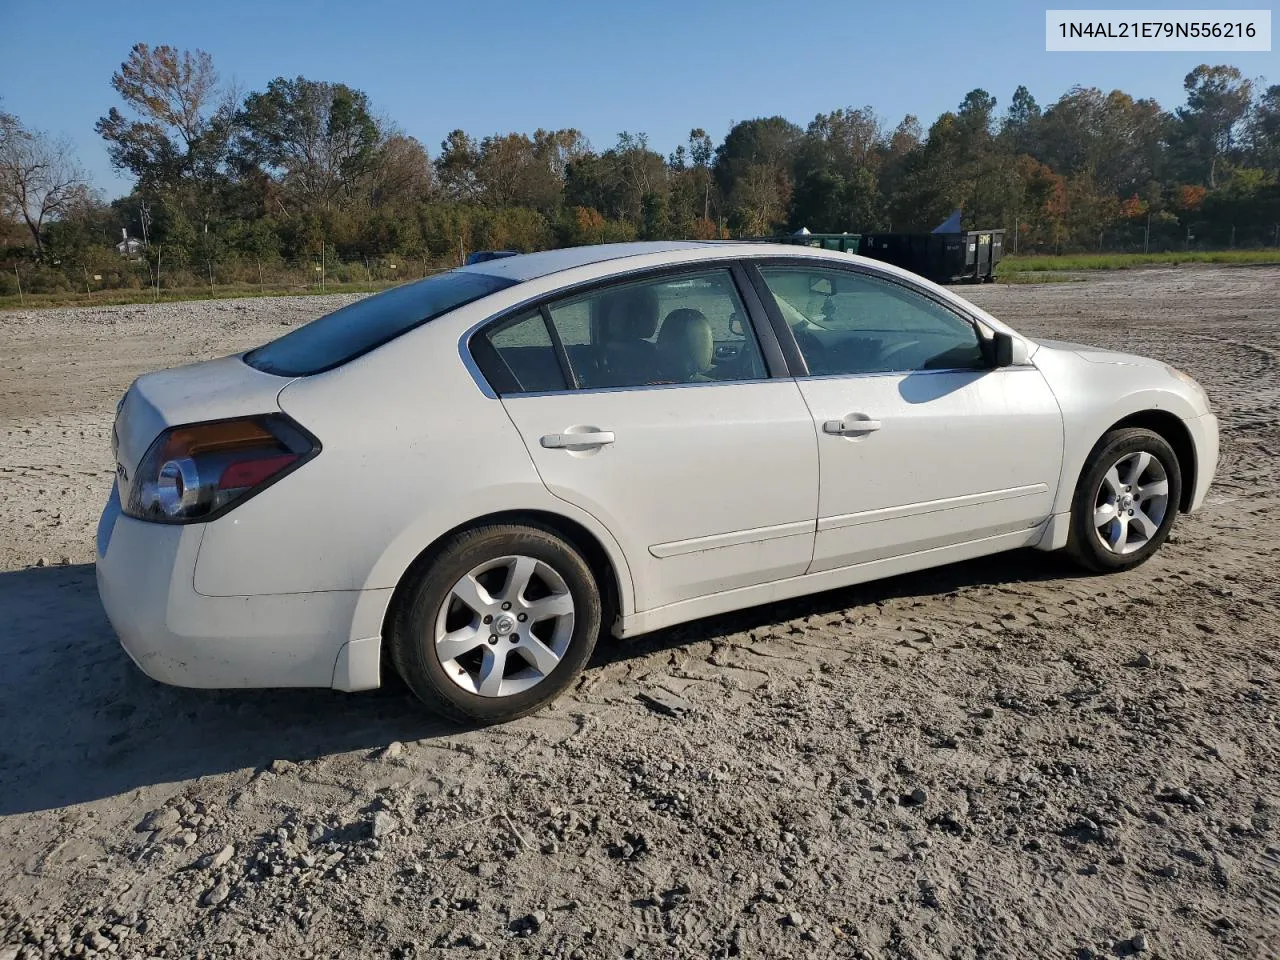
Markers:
573,532
1175,433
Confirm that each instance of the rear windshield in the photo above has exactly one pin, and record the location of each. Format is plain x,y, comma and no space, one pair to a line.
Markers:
345,334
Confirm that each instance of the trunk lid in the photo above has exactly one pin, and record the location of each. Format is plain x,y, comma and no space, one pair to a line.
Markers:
212,390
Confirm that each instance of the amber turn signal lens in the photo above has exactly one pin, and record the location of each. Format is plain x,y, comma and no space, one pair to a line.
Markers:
212,437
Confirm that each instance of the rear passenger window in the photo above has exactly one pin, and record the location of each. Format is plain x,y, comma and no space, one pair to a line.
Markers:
517,356
688,328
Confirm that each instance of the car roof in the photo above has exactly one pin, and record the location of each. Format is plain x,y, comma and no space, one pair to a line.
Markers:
530,266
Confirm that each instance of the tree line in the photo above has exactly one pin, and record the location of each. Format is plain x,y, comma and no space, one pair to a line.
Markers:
307,168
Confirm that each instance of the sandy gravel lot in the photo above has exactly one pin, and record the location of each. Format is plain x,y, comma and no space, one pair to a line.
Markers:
995,759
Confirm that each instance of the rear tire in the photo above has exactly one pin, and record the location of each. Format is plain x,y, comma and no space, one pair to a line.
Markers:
1126,501
496,623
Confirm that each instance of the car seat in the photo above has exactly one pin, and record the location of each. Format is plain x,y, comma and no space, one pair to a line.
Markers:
621,323
687,345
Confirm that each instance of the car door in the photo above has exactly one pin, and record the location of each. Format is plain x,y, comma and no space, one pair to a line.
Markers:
923,441
648,403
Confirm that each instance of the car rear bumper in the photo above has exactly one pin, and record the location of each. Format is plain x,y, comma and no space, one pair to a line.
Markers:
1204,434
175,635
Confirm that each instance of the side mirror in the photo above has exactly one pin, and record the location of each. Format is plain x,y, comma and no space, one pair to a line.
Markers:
1002,349
736,327
822,286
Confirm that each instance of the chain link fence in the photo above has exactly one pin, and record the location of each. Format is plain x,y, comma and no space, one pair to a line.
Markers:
151,274
102,275
1030,238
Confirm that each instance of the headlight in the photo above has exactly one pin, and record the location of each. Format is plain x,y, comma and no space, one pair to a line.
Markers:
1191,382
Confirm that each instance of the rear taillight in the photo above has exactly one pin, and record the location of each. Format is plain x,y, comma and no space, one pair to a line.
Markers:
199,471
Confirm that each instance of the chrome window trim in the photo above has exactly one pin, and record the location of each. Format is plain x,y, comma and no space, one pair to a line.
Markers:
980,327
629,276
868,270
471,366
646,386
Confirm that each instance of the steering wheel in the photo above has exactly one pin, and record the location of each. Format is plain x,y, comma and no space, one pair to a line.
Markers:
894,350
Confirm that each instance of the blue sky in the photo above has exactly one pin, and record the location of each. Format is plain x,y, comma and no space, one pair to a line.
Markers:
660,67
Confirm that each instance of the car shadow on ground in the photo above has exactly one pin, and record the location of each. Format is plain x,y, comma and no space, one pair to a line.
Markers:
1022,566
82,722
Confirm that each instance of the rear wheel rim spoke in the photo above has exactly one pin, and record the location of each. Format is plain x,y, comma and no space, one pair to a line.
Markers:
1140,464
521,572
1156,488
550,607
1104,514
543,657
469,592
1144,524
1111,482
456,643
489,680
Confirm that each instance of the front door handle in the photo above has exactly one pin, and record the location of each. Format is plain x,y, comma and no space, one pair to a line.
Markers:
560,441
853,424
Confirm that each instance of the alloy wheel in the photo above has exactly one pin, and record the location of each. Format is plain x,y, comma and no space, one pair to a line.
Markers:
505,626
1131,502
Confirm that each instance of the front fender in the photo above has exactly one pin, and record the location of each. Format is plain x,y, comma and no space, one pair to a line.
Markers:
1095,396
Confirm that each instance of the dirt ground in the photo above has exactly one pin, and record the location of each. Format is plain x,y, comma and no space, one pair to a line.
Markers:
995,759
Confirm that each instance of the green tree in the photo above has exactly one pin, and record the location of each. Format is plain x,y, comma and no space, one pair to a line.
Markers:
1264,131
655,222
701,153
836,172
456,166
754,170
520,170
616,182
318,140
1020,128
174,133
1210,126
401,174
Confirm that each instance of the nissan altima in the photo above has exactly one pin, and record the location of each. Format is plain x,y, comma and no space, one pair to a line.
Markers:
471,478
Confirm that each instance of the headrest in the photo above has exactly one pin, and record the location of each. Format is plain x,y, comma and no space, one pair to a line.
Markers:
627,314
687,336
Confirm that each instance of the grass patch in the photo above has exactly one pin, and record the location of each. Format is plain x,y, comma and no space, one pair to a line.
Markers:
1037,276
102,298
1123,261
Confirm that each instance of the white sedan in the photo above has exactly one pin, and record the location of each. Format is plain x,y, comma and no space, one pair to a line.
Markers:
473,476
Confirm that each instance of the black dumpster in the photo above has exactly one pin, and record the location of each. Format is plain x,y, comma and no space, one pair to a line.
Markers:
841,242
963,257
944,256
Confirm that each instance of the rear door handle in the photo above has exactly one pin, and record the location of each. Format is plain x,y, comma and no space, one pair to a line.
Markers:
854,424
560,441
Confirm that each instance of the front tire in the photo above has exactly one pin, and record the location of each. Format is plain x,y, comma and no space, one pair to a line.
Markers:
1126,501
497,623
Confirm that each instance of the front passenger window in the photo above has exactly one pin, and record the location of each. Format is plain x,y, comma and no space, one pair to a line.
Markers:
850,323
